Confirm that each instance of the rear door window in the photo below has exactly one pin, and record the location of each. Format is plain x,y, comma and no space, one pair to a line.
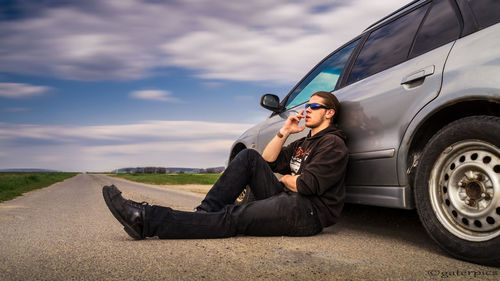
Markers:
387,46
440,26
322,78
486,12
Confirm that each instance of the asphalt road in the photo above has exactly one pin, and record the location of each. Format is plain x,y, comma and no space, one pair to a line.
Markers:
65,232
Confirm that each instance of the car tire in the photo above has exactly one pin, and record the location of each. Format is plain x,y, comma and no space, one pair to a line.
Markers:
457,189
245,197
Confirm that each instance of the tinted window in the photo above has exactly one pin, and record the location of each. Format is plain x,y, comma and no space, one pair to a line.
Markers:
486,12
440,26
387,46
323,78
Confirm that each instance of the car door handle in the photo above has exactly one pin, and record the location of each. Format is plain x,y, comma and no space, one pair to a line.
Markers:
422,73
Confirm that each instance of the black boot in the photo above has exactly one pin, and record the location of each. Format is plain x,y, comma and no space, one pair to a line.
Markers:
129,213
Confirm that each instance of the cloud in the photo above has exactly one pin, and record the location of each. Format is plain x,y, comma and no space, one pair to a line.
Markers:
21,91
276,41
194,144
154,95
124,133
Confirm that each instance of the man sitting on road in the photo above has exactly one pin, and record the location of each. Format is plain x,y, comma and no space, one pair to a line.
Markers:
307,198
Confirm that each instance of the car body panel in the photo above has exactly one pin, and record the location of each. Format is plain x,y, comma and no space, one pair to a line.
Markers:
377,110
479,55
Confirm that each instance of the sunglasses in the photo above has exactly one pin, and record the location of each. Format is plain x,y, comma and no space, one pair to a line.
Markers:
315,106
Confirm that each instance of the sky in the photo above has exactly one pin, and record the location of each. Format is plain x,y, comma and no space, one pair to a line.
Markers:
100,85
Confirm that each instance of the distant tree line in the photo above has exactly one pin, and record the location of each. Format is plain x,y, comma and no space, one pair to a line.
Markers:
173,170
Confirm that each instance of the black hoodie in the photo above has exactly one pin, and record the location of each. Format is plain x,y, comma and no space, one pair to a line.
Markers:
320,161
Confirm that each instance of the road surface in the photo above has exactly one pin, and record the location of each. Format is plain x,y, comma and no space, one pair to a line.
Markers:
65,232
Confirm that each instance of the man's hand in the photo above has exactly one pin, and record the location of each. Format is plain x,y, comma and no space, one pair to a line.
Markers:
290,182
291,125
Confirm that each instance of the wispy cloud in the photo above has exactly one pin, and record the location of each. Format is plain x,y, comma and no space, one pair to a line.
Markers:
154,95
275,40
21,91
79,148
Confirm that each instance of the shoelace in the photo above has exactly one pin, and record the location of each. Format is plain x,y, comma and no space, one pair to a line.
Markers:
137,204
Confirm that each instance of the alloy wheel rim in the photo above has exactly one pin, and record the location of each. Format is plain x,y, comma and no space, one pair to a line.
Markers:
464,188
242,195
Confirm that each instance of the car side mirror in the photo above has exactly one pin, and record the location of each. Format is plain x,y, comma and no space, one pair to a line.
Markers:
271,102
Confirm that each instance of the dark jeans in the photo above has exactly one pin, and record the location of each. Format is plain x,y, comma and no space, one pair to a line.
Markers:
275,211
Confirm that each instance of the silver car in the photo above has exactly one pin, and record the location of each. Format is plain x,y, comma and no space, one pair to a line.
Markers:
420,97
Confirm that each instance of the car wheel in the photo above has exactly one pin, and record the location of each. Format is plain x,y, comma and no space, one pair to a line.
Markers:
245,197
457,189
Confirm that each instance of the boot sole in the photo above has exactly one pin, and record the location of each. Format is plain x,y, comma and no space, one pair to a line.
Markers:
130,231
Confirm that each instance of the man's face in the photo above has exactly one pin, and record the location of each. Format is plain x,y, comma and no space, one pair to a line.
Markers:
315,118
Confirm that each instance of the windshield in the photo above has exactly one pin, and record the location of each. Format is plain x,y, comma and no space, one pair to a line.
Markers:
323,78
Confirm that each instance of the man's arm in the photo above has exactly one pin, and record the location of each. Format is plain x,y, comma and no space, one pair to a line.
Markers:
290,182
291,126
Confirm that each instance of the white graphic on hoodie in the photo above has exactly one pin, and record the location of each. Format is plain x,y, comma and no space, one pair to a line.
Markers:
297,159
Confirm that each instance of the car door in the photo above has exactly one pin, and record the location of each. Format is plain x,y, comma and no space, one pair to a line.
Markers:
323,77
398,71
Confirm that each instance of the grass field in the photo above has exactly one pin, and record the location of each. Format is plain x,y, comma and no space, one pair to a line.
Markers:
176,179
15,184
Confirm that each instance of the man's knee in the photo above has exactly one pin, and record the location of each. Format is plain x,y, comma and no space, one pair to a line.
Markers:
248,153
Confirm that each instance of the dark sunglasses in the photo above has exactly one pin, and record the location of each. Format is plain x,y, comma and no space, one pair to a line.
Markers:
315,106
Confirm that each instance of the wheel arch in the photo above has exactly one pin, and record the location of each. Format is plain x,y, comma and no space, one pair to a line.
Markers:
437,120
237,148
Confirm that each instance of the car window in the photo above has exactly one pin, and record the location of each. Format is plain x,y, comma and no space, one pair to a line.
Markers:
323,78
440,26
486,12
387,46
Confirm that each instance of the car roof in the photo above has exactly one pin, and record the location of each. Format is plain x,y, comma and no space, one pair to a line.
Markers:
395,14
